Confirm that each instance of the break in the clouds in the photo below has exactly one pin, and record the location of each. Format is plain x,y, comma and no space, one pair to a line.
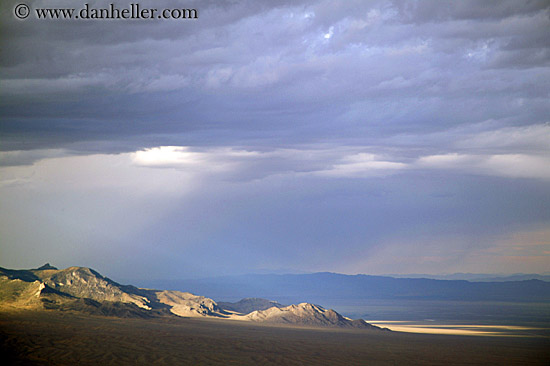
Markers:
353,136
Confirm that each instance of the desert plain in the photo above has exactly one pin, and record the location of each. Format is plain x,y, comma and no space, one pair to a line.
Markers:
67,338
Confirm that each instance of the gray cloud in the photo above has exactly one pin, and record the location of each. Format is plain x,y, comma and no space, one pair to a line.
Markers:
250,67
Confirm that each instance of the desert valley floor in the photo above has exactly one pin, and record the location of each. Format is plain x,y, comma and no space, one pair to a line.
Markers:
65,338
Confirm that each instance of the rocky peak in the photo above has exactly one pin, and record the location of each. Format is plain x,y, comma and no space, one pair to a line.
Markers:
84,282
45,267
306,314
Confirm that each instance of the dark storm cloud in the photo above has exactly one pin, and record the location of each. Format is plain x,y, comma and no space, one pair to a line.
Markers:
258,70
433,10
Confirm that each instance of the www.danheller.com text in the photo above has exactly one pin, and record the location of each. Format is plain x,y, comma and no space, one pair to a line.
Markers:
87,12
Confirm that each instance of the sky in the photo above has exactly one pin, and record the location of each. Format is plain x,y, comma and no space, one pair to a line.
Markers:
278,137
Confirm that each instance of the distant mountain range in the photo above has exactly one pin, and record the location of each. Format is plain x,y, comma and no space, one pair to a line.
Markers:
85,290
319,287
250,304
478,277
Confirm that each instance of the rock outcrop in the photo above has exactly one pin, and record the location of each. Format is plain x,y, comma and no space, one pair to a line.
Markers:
189,305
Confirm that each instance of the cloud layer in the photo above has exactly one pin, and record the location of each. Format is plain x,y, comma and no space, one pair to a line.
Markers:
299,135
288,71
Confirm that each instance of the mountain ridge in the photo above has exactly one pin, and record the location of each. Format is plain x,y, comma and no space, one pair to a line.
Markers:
317,287
83,289
306,314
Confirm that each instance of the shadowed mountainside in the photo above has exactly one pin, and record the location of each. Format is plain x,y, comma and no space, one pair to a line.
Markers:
249,305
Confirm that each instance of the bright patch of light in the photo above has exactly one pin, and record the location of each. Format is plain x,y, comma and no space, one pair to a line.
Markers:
330,33
166,155
479,53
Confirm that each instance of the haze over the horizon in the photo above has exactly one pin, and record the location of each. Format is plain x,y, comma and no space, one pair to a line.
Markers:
278,136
